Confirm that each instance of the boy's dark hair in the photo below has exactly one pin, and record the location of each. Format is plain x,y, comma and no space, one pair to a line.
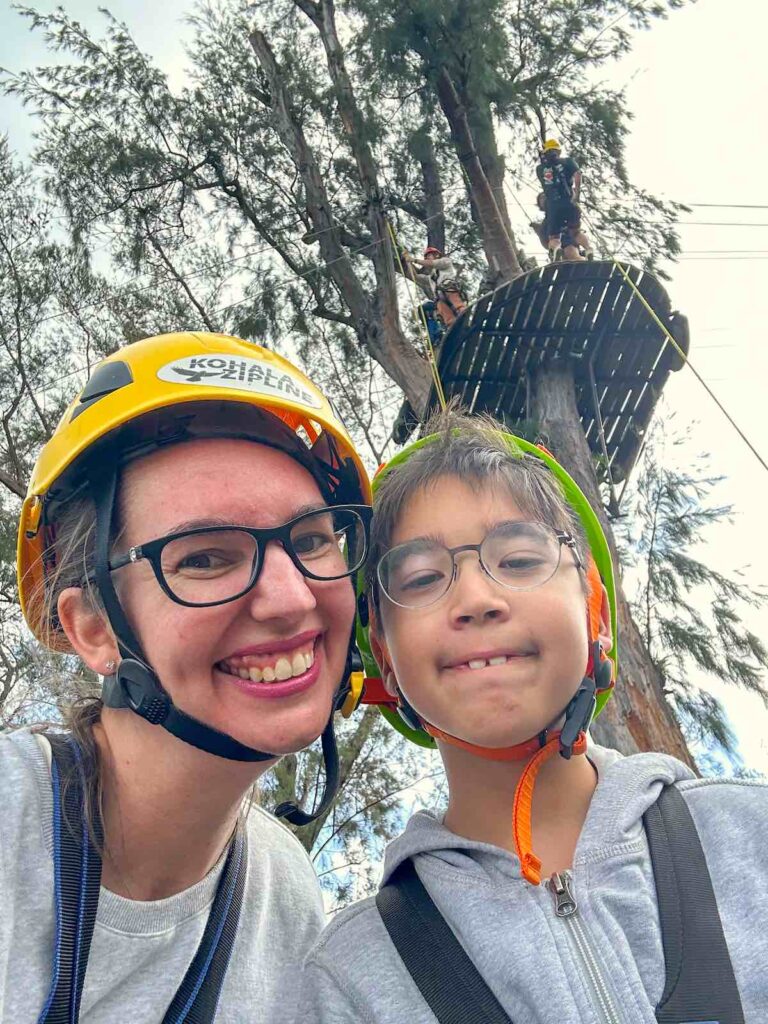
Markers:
470,448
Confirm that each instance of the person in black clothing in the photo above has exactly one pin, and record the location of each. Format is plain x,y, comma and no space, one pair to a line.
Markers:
560,180
568,246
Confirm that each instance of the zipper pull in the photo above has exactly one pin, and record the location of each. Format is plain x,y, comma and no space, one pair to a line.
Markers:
565,901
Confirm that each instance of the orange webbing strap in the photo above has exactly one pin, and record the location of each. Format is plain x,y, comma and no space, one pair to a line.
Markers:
519,752
523,804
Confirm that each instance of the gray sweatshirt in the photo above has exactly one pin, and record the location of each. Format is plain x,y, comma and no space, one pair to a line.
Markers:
527,954
141,950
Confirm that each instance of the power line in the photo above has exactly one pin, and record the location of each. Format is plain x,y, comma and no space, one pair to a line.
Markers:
729,206
721,224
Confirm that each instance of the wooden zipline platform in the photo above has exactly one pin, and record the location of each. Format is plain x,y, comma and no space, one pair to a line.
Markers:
588,314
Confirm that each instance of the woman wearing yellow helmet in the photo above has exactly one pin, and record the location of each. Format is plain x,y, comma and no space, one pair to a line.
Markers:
190,532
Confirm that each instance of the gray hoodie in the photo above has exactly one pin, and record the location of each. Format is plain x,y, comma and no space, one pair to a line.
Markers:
535,962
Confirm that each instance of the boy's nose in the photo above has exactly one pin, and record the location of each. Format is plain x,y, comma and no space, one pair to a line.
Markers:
476,597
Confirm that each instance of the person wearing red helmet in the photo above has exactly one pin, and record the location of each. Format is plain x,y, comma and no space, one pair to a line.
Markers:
562,882
438,278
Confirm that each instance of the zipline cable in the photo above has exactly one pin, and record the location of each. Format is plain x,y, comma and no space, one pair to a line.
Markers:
677,348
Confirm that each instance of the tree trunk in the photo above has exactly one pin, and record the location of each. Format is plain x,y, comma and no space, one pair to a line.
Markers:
481,125
498,243
638,716
423,149
377,324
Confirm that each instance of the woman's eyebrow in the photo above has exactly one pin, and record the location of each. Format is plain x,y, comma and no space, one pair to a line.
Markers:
203,521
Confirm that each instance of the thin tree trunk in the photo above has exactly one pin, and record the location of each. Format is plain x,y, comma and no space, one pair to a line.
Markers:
376,323
638,717
498,243
423,149
481,125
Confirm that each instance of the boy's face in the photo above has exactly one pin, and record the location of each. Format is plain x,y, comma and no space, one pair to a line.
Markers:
542,632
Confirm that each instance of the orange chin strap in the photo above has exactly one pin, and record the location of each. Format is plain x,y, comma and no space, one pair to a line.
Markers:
519,752
530,865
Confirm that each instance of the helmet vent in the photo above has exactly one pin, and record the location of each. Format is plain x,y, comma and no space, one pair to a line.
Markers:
106,378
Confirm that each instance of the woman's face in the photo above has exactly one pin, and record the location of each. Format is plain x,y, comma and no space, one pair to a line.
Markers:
227,665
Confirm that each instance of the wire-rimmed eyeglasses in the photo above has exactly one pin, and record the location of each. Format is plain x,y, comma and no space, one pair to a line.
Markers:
518,555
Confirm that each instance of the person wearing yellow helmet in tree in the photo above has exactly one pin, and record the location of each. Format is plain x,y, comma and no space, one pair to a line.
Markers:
564,882
560,179
190,532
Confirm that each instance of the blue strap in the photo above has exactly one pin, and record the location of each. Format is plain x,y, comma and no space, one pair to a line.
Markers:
77,880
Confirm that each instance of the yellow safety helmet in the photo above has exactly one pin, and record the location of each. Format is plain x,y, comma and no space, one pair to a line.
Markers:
160,391
551,144
168,373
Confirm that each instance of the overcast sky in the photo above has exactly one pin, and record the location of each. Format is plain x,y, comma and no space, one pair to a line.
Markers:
696,85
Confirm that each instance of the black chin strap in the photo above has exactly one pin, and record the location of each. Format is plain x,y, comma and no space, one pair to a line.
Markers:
136,687
581,707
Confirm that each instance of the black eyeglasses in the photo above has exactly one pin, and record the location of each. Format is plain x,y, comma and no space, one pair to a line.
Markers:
519,556
215,564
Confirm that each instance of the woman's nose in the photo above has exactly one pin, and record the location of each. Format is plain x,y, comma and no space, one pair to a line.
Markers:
281,591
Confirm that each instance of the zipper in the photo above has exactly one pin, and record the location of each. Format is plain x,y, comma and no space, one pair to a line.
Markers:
566,908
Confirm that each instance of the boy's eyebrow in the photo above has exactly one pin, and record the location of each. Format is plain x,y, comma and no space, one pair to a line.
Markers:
436,538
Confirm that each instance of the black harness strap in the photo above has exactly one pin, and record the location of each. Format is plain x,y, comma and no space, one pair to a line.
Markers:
77,868
438,963
198,995
700,984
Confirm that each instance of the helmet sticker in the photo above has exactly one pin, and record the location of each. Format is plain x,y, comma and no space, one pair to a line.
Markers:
241,373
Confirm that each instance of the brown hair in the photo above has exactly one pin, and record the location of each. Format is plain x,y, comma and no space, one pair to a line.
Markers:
69,562
478,449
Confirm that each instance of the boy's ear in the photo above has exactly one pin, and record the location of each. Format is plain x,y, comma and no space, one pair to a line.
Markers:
605,634
380,652
87,630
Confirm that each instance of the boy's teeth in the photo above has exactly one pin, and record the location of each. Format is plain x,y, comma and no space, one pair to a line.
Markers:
500,659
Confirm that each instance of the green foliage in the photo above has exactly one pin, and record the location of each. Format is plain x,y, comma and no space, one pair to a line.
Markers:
379,772
689,612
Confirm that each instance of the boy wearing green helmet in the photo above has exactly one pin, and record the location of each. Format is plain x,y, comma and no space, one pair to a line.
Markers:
611,896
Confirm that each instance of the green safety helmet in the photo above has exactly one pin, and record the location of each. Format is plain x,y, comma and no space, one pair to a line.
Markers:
599,569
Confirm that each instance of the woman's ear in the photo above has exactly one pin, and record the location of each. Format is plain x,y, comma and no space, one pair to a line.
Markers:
87,630
380,652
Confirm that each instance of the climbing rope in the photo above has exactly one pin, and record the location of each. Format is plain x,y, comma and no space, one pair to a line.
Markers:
674,344
420,317
664,329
